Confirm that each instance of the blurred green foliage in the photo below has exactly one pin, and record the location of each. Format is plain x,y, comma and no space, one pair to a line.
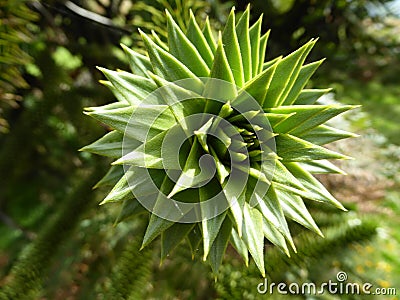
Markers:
56,243
15,18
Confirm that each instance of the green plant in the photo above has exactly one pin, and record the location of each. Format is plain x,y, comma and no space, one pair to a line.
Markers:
149,16
153,18
263,130
15,18
132,272
26,276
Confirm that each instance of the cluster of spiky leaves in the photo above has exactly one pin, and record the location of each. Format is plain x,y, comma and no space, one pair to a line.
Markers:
156,20
150,17
297,123
15,17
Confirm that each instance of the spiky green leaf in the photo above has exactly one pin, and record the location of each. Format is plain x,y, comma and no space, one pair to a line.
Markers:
253,236
183,49
232,50
296,149
171,237
196,36
218,248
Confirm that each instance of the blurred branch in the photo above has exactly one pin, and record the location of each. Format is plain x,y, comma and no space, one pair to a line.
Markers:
86,14
26,277
70,8
38,6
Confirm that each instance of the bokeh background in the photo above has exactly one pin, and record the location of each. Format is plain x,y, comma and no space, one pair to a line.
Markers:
57,243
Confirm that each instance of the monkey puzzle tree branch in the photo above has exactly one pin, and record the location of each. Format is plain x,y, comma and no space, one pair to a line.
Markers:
25,279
